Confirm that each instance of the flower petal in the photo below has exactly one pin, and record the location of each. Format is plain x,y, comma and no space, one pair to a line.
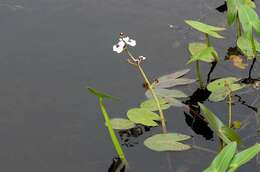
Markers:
119,47
129,41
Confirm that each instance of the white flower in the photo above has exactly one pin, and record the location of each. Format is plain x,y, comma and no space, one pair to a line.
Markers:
142,58
129,41
119,47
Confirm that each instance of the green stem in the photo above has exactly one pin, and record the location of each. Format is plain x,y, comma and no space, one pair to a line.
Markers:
207,40
253,44
112,133
155,98
229,110
198,75
238,26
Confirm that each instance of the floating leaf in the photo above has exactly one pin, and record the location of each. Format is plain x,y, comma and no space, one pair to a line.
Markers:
143,116
223,83
174,102
244,156
245,46
121,124
218,95
207,55
167,142
222,160
196,47
220,88
205,28
151,104
231,134
174,79
162,92
99,94
214,122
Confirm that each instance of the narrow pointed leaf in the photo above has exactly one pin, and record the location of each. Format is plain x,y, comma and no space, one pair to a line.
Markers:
222,160
215,123
99,94
244,156
231,134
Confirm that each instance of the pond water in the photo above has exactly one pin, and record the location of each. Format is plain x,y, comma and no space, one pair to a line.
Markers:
52,49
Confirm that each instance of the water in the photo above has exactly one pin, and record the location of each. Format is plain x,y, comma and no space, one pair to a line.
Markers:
52,49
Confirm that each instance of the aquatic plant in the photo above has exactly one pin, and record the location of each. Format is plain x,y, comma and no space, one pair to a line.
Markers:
203,51
158,100
111,131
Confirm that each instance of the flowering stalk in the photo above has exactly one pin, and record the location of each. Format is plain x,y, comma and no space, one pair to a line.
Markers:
121,46
163,122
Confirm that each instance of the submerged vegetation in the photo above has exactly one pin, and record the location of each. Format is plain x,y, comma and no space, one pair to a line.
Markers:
162,95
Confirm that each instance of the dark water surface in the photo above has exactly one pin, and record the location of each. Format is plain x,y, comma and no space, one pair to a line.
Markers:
51,49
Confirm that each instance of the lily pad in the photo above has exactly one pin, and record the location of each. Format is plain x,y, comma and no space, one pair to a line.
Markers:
143,116
121,124
167,142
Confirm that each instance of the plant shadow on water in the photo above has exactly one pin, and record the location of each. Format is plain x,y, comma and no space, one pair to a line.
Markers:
129,136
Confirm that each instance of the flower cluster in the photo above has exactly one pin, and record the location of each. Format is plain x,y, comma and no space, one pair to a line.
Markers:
122,43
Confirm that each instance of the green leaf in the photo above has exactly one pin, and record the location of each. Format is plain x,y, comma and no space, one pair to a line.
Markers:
233,6
174,102
167,142
174,79
121,124
222,160
196,47
143,116
215,123
231,134
162,92
249,20
151,104
245,46
99,94
207,55
205,28
244,156
223,83
218,95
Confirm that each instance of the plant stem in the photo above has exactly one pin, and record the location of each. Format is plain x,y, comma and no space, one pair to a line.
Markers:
112,133
251,68
254,51
198,75
155,98
229,110
207,40
163,121
238,26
